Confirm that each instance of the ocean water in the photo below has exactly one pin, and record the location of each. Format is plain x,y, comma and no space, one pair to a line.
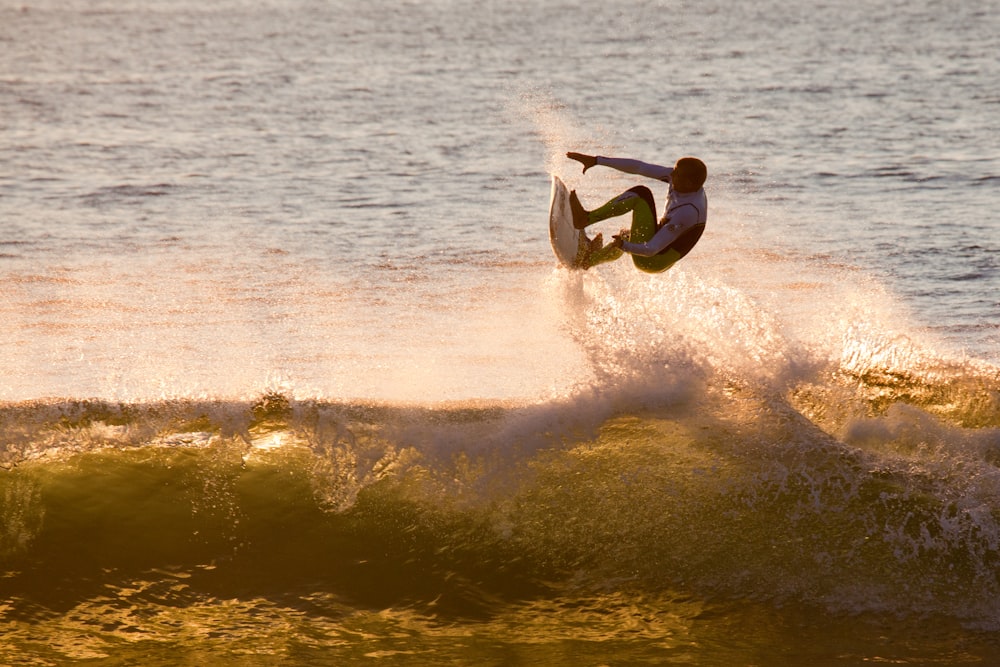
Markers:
290,376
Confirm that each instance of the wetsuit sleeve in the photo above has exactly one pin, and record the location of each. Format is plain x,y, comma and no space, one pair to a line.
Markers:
637,167
681,220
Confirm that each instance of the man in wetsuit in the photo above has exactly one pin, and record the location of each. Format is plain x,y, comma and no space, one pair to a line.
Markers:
654,246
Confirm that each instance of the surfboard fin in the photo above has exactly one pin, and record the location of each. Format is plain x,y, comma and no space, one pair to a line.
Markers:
587,248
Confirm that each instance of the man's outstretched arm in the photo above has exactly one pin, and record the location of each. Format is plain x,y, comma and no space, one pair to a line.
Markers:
629,166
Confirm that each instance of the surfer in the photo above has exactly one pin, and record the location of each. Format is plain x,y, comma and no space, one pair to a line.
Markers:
654,246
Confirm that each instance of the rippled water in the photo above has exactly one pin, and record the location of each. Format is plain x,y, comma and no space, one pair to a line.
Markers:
352,197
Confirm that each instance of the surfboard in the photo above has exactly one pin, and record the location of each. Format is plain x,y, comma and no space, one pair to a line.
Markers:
564,236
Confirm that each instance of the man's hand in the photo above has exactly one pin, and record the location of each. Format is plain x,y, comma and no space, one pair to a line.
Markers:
587,161
620,237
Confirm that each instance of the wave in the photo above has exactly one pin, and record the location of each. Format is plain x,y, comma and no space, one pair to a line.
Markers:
728,440
871,485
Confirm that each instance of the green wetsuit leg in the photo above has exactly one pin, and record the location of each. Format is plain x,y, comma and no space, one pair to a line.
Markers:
657,263
638,200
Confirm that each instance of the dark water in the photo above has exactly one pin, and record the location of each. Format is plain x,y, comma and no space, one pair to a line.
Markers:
847,521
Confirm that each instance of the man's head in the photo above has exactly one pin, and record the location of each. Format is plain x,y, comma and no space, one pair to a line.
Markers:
689,175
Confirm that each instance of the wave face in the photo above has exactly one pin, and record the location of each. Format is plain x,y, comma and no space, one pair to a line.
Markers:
862,491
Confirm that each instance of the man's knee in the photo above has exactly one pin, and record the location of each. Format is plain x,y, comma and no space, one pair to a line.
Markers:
646,195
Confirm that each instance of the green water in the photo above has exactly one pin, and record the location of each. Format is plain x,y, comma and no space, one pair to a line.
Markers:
731,530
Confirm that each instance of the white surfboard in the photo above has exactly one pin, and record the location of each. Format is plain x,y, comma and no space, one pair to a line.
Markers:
564,236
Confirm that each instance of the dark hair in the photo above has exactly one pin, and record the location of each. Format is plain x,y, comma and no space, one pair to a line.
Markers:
693,171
